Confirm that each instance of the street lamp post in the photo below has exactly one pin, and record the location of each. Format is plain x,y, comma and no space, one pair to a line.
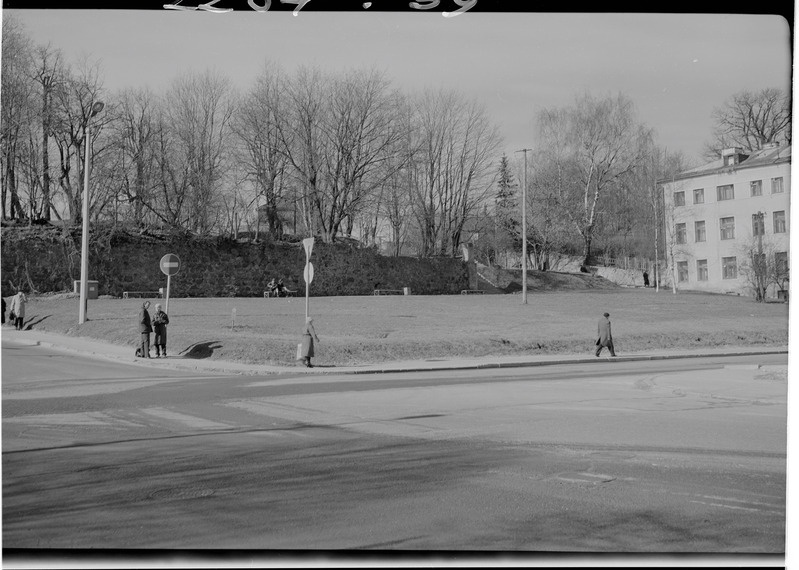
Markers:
524,229
84,255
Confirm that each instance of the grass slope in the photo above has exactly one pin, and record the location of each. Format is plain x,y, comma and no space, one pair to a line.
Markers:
365,329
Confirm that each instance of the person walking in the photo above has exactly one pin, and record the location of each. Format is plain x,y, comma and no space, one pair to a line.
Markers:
646,279
605,337
160,321
308,338
18,309
4,310
145,328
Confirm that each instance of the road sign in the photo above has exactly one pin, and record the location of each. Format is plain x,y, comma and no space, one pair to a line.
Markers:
170,264
308,243
308,273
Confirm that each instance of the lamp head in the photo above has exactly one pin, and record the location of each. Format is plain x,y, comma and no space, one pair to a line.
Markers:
97,107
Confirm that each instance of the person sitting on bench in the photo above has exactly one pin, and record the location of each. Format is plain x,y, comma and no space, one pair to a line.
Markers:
272,288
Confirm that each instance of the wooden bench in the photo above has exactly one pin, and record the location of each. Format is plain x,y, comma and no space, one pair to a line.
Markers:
472,292
129,294
388,292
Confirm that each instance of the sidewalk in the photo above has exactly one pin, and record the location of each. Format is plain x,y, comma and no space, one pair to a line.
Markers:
106,351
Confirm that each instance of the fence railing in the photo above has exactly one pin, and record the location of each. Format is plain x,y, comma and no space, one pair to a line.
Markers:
637,263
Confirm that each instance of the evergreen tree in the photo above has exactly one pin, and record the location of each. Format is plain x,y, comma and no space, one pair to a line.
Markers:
506,212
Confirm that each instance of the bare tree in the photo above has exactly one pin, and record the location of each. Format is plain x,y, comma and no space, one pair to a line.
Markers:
262,157
198,112
17,103
594,145
548,232
73,99
135,133
454,167
761,265
341,133
49,76
750,120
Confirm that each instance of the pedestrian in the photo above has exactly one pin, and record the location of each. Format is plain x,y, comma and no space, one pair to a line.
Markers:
160,321
605,337
308,338
18,309
4,310
646,279
272,287
145,328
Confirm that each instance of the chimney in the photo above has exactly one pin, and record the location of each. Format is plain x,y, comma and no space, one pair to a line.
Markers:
732,156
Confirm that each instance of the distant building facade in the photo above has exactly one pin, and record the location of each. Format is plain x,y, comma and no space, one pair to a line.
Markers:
727,217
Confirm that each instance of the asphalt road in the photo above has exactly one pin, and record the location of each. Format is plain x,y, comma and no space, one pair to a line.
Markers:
673,456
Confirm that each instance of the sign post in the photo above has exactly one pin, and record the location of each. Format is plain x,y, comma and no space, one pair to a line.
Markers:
308,271
170,265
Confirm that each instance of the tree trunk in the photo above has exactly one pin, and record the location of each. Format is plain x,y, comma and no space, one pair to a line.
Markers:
587,249
45,156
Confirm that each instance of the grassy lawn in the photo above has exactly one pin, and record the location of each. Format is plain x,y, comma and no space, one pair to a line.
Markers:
357,330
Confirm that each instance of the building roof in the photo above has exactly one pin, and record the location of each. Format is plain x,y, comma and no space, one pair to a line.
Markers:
763,157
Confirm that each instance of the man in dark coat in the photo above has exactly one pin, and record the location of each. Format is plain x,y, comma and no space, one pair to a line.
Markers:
145,328
160,321
605,337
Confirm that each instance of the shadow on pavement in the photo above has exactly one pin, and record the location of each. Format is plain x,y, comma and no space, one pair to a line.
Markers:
201,349
30,324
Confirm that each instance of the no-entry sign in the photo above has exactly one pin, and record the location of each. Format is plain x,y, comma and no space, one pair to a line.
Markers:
170,264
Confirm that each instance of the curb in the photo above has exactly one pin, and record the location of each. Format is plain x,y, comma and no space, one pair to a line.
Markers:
530,364
225,367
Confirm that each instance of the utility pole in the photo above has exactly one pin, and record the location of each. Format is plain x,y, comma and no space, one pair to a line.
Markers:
760,269
84,250
524,228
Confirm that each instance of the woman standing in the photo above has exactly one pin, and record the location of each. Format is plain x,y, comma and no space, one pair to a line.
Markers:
160,321
18,309
145,328
308,338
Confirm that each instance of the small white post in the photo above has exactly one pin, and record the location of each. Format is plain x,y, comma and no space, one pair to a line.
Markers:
166,303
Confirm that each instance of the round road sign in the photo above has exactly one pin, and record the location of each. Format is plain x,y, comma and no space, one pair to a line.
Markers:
170,264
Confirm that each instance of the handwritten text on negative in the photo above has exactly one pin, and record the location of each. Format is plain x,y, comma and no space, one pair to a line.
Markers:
465,5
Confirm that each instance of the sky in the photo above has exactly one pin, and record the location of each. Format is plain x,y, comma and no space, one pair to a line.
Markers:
675,67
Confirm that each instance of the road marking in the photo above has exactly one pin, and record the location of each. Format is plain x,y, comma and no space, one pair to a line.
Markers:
726,506
191,421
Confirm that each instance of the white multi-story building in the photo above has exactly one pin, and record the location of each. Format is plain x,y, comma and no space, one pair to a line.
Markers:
726,217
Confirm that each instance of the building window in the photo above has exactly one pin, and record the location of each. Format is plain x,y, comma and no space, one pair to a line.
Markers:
701,269
781,263
726,192
779,222
679,198
680,233
699,196
699,231
727,228
729,268
758,224
682,271
756,187
776,185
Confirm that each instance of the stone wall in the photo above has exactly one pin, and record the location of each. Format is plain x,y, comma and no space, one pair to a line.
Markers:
48,259
510,280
